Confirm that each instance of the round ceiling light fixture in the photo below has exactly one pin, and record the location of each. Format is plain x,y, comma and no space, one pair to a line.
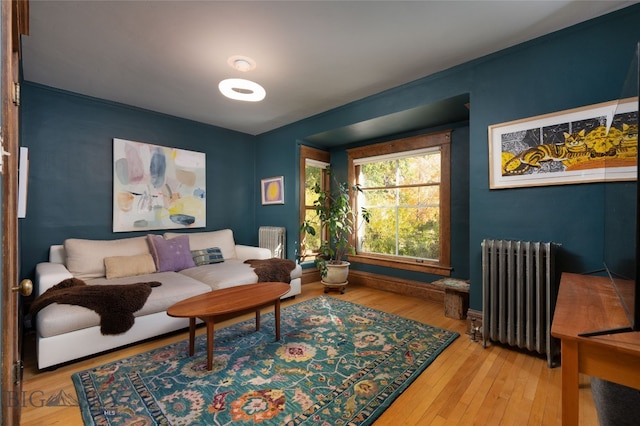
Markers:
242,90
241,63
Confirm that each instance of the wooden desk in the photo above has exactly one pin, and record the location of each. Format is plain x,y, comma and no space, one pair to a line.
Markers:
585,304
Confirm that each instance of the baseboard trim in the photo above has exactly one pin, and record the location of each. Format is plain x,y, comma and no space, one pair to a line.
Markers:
397,285
310,275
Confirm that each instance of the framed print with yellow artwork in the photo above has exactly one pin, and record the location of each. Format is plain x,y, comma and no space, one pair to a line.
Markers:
272,190
589,144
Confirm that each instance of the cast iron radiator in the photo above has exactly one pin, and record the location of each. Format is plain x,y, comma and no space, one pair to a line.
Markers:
273,238
519,292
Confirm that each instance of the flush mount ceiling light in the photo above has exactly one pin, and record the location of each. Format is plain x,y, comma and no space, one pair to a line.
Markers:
242,90
241,63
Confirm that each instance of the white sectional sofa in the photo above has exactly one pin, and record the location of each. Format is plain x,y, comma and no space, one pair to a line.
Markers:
68,332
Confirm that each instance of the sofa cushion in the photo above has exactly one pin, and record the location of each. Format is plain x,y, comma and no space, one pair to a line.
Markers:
207,256
222,275
58,319
203,240
128,266
85,258
170,255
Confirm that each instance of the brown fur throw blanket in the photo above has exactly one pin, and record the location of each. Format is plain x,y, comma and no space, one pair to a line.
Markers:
274,269
114,303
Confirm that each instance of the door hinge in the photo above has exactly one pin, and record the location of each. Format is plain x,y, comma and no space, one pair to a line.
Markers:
16,94
18,368
3,153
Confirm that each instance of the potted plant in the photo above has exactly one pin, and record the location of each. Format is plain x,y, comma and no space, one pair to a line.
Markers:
335,214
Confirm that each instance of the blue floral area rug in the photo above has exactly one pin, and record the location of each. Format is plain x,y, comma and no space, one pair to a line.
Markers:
337,363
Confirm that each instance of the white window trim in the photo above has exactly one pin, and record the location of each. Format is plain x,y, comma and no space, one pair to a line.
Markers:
395,156
315,163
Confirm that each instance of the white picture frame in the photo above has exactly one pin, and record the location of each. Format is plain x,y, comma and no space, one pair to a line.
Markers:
272,190
157,187
603,153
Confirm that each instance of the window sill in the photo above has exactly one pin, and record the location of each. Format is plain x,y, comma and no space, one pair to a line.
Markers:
424,266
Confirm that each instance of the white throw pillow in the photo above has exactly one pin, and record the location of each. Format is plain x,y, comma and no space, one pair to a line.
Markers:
85,258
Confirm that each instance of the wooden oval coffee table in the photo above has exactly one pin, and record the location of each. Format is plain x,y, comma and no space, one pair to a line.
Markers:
220,305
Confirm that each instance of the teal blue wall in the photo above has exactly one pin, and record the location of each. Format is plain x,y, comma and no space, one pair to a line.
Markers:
583,65
70,175
69,139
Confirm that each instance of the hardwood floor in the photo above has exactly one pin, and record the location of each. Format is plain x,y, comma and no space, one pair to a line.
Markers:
467,384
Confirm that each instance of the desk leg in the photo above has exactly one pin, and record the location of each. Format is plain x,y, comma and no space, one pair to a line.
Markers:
277,318
192,335
570,383
209,322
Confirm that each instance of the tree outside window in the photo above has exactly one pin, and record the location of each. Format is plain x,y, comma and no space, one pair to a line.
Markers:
403,197
313,163
406,189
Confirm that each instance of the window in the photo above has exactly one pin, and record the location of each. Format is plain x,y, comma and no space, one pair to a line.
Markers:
405,188
313,163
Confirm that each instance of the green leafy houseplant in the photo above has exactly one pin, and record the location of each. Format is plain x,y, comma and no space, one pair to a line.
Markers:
334,213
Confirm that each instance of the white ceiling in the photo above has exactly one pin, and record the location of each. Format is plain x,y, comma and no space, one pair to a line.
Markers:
168,56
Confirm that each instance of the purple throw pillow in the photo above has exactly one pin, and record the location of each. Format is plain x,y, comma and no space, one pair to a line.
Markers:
170,255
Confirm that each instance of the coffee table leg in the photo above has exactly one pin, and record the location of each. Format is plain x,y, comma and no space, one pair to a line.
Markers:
257,319
192,335
209,322
277,317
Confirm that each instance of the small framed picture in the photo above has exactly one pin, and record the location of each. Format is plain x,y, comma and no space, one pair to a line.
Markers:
272,190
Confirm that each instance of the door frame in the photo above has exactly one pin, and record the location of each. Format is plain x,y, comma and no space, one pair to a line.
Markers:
14,16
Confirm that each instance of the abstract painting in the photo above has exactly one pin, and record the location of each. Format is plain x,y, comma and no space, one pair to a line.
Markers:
272,190
156,187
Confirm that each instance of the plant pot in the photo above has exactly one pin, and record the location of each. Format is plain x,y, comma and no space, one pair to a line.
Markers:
336,274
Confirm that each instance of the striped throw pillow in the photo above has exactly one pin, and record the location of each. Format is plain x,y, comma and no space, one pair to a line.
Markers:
207,256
